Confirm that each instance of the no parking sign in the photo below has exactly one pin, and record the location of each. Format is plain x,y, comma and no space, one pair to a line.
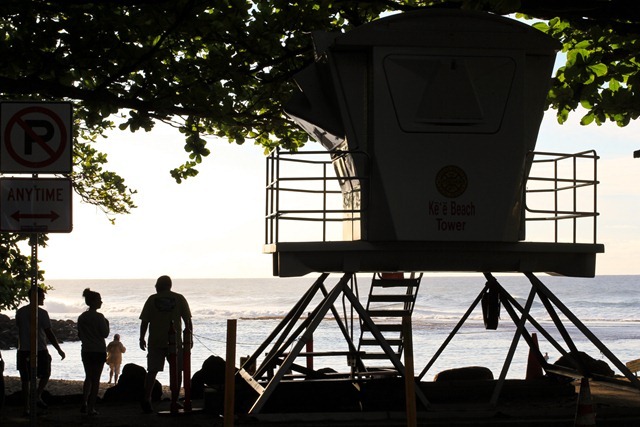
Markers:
35,137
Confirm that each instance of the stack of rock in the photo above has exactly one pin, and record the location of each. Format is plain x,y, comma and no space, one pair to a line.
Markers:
65,330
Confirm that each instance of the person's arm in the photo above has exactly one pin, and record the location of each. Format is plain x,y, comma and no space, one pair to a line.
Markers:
105,327
143,332
186,318
54,341
189,324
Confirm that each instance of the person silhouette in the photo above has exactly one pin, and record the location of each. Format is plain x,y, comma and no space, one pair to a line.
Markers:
115,349
93,328
161,311
43,368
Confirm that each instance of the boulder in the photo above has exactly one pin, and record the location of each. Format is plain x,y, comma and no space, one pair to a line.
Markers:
468,373
593,365
130,386
210,375
8,333
64,330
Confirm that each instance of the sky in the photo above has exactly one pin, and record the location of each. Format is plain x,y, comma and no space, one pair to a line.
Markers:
212,226
206,227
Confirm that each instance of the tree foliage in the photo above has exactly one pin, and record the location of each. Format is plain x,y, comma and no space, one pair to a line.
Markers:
225,68
15,272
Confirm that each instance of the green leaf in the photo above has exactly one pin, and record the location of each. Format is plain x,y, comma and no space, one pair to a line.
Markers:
587,119
598,69
614,85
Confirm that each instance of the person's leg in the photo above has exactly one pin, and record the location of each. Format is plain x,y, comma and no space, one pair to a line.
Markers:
86,389
94,374
25,395
22,363
155,364
86,385
149,382
179,359
44,373
111,373
116,372
41,385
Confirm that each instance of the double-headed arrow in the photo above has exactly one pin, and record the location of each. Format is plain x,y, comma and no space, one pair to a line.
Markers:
52,215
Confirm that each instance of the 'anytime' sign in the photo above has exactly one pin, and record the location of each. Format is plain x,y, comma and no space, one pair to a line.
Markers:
35,205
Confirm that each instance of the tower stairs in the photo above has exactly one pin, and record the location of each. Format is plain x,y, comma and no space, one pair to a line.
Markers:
390,302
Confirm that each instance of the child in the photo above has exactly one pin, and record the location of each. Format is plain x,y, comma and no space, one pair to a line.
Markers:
114,357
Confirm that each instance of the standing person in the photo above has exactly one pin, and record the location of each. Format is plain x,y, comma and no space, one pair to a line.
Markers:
159,312
43,368
114,357
93,328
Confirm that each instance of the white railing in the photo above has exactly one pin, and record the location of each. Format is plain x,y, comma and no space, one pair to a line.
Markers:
561,197
304,191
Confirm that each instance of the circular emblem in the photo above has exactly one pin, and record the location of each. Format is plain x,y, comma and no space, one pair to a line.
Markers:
451,181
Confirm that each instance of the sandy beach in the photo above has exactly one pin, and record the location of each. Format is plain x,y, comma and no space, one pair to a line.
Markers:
614,407
64,410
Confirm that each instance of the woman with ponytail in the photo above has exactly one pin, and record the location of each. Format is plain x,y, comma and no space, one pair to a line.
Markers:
93,328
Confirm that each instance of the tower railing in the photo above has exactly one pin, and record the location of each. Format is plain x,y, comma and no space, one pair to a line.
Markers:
562,192
303,187
304,191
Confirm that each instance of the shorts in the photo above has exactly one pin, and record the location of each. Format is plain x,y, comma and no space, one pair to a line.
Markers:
23,363
115,367
157,356
93,360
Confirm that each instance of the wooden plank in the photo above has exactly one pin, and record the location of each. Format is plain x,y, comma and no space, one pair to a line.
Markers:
395,327
375,356
389,313
367,341
229,374
394,283
252,382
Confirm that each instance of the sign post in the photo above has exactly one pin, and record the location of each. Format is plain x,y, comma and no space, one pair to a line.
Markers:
33,357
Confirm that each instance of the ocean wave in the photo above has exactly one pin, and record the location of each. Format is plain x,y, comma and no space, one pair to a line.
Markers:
55,307
273,317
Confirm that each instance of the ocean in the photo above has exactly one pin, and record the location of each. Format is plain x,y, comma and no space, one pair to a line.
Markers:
607,305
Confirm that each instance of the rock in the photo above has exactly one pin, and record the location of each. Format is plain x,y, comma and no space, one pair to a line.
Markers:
130,387
593,365
64,330
465,373
210,375
8,333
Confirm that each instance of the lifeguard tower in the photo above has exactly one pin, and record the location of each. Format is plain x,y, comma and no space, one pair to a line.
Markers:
428,122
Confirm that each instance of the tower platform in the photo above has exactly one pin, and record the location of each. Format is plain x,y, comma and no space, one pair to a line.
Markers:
292,259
